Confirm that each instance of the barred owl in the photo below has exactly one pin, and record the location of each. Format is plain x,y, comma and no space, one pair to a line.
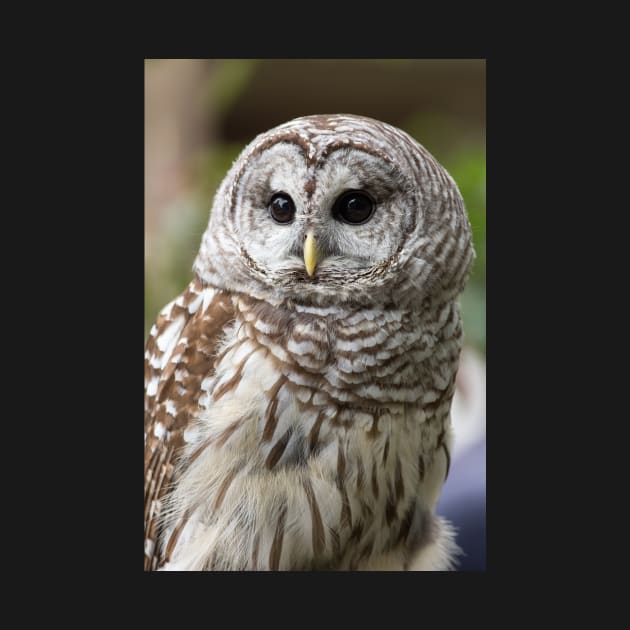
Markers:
298,392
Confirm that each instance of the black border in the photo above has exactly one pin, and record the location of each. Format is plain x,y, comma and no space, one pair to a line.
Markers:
99,124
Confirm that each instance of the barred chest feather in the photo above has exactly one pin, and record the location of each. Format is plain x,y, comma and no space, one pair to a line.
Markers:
321,440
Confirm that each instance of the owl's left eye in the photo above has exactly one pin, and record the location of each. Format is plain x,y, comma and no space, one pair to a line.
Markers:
282,208
354,207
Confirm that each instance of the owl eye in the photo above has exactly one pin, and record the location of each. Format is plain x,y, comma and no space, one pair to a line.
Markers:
282,208
354,207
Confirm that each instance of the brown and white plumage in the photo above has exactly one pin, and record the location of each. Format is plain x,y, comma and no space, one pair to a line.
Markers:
174,370
297,421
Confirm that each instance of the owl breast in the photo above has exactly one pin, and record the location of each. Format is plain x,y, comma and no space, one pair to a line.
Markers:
316,438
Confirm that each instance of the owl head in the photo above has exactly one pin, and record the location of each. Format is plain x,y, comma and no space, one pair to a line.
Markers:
335,209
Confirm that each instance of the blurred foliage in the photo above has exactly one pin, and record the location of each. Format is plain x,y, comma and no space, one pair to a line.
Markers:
231,78
468,169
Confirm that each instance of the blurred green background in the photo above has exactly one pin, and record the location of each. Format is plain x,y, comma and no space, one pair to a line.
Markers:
200,113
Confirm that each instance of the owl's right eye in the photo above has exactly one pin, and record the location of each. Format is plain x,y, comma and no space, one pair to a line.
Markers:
282,208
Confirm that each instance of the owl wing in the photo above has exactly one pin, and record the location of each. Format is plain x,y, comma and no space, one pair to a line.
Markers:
179,354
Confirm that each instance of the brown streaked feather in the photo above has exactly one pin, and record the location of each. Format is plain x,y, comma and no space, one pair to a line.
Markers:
346,514
317,526
270,418
276,546
390,508
360,474
313,436
399,484
196,360
405,525
234,380
336,545
448,460
227,433
278,449
374,480
172,541
225,485
385,451
255,546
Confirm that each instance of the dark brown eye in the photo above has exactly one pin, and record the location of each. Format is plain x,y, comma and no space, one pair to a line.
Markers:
354,207
282,208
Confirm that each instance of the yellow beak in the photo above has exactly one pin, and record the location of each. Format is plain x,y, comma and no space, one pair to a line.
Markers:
310,254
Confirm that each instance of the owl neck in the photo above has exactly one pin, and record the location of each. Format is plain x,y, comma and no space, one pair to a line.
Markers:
360,357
